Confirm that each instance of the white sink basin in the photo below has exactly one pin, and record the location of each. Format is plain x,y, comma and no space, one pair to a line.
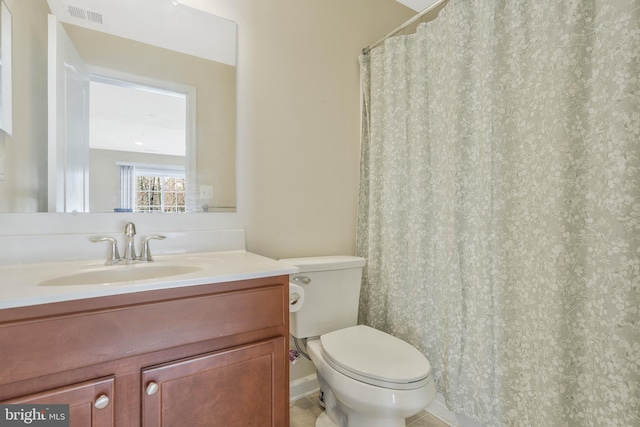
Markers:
124,273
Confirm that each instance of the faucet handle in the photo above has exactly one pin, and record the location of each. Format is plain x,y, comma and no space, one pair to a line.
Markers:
145,253
112,256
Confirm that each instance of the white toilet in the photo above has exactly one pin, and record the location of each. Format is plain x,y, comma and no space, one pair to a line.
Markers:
368,378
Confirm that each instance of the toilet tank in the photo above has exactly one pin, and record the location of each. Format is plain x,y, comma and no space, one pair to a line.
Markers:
332,294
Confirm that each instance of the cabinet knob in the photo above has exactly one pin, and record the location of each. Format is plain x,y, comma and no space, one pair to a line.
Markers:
102,401
152,388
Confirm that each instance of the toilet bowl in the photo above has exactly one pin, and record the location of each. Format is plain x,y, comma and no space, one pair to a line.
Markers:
368,378
369,390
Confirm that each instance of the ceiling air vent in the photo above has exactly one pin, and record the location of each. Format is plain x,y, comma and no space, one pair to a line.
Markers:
84,14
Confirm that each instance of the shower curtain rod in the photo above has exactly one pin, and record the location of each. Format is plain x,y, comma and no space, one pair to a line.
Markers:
365,51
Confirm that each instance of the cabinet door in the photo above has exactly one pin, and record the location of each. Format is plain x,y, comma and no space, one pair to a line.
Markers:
90,403
239,387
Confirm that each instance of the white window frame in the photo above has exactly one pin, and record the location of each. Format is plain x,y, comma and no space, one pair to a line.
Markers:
129,172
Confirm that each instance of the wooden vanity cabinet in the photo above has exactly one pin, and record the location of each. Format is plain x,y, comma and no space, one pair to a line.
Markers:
211,355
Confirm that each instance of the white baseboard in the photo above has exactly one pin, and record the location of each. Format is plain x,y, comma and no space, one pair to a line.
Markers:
303,387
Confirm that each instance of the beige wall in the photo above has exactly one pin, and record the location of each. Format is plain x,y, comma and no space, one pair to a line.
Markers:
25,151
299,115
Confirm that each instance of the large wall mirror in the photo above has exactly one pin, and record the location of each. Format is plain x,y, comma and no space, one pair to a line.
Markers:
126,106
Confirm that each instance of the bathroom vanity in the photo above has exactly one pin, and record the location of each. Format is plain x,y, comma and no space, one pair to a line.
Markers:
203,348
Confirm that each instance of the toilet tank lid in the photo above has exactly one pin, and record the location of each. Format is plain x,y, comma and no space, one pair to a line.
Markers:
323,263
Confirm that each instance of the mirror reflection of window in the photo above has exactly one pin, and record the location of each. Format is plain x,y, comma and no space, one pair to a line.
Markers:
160,194
152,188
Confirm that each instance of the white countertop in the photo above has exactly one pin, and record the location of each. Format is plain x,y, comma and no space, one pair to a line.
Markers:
24,285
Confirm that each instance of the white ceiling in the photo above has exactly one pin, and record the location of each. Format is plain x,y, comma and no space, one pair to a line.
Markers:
148,122
417,5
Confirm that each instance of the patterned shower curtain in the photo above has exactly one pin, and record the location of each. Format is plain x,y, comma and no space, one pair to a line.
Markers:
500,206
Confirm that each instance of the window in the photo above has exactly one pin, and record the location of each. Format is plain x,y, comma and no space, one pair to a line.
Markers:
153,188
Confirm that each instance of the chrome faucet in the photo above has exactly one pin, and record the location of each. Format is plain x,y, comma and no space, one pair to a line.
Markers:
113,256
129,248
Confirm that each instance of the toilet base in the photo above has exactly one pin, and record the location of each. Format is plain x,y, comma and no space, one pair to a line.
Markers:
338,415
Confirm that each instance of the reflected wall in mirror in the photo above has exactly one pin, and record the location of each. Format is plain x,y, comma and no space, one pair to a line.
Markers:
149,127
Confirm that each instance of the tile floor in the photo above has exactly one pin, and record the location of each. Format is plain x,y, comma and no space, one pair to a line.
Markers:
305,411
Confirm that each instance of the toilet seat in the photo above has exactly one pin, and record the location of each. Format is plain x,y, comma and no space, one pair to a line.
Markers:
376,358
